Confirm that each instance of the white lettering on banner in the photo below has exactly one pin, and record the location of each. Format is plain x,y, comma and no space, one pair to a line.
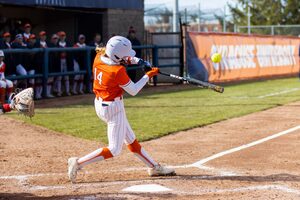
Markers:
242,56
275,55
235,56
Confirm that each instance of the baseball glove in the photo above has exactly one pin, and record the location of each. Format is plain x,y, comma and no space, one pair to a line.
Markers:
23,102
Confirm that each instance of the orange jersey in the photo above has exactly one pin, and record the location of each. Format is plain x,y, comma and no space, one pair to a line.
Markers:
108,79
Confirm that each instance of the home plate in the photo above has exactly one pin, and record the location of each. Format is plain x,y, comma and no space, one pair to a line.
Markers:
146,188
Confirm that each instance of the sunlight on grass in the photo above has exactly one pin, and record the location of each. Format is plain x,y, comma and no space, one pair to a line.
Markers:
159,114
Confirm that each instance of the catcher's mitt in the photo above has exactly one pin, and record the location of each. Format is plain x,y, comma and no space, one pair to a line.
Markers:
23,102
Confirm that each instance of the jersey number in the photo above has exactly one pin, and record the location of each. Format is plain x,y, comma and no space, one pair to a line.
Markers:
98,76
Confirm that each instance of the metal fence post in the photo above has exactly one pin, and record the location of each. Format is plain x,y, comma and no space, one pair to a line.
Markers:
89,69
155,61
45,71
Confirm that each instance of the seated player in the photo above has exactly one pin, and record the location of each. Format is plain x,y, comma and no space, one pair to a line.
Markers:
6,86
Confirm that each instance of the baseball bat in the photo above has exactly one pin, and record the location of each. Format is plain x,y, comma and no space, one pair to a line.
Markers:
202,84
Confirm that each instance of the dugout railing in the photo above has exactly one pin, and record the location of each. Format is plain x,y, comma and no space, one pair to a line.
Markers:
150,52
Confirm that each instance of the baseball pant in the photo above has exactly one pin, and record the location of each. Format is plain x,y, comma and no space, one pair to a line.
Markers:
118,132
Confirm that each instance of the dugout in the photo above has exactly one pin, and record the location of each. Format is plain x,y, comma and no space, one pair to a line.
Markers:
74,17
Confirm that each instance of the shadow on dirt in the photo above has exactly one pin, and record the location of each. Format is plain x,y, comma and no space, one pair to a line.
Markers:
268,178
102,196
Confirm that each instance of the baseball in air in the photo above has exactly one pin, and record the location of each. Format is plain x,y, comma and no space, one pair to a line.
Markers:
216,58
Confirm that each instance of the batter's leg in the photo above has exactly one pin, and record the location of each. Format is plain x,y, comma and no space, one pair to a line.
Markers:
135,147
116,130
155,169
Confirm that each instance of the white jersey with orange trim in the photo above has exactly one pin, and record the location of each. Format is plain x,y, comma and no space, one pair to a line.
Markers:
110,79
4,83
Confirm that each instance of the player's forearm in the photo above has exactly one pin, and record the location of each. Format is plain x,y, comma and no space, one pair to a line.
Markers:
134,88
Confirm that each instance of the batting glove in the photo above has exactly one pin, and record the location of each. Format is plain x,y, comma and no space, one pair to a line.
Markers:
153,72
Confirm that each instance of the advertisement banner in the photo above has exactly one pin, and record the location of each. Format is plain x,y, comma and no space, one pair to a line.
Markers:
243,57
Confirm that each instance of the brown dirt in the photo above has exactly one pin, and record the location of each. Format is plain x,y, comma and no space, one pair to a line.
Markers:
33,162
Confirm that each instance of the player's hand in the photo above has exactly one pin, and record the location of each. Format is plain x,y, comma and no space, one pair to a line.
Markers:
146,65
153,72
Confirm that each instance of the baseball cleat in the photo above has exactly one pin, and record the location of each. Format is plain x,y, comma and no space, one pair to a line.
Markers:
72,169
161,171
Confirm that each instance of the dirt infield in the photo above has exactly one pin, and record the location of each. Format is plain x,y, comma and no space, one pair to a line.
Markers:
255,156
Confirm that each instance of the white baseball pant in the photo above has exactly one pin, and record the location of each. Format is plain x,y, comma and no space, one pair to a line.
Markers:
22,71
57,84
77,78
5,83
118,131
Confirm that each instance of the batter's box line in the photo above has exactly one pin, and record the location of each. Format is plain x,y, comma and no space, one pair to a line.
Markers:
23,178
280,188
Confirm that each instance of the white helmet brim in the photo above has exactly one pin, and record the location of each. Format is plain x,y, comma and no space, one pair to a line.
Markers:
132,53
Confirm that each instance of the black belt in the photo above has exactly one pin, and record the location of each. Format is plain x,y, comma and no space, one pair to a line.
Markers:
121,97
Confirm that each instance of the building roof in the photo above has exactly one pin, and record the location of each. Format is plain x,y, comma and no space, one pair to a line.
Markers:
89,4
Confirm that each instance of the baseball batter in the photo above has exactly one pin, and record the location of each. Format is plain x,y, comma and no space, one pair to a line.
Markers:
6,86
110,79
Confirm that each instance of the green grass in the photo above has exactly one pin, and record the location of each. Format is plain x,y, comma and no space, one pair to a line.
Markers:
158,114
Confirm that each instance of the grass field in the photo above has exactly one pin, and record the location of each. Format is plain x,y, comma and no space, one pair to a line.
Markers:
158,114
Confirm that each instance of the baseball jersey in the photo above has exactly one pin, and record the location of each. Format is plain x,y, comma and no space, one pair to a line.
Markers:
61,44
108,79
78,45
43,44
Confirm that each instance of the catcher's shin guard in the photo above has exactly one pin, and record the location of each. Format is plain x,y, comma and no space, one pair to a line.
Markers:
139,151
2,95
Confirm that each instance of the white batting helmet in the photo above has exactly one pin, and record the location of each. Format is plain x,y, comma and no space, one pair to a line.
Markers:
1,53
119,47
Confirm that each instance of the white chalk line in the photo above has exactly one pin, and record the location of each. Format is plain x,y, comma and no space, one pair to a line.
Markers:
281,188
268,95
279,93
198,164
199,192
245,146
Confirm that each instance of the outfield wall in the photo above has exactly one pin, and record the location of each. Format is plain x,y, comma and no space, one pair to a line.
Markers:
243,57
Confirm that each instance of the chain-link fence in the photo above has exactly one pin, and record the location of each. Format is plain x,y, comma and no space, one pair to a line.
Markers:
293,30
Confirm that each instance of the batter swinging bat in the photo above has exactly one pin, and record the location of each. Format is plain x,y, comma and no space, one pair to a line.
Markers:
202,84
